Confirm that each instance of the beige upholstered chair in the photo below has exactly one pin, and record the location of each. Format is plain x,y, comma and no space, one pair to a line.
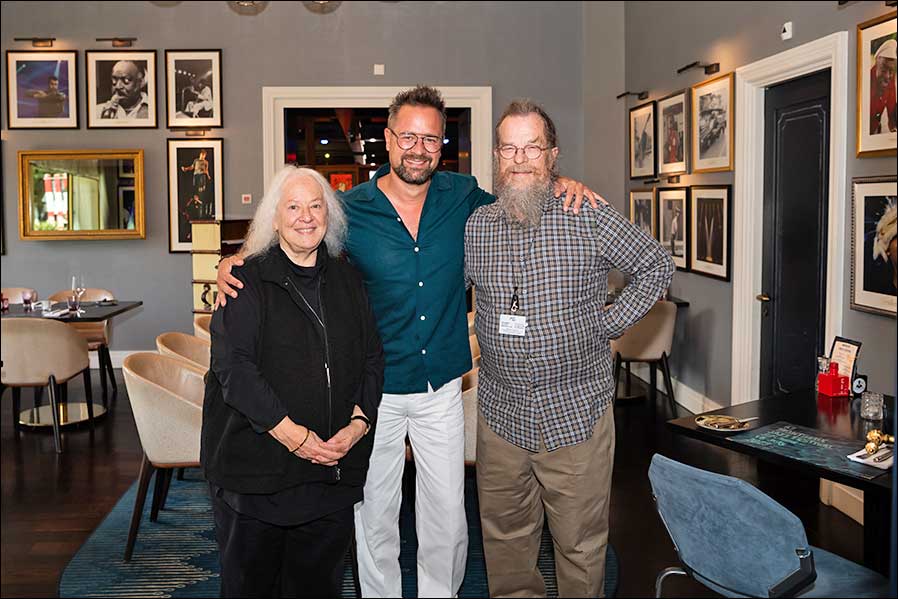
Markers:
470,323
195,351
469,402
166,397
649,340
37,352
14,294
201,327
97,334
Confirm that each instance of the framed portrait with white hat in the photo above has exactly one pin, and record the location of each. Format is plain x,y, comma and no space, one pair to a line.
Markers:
877,94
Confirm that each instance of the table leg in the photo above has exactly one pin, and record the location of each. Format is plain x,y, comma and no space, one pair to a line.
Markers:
877,524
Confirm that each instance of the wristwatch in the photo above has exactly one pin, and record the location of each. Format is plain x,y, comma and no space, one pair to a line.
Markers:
363,419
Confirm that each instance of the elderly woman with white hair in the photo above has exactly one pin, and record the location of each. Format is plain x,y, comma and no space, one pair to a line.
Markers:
295,381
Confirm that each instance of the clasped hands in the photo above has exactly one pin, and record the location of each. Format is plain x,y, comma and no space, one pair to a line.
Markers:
306,444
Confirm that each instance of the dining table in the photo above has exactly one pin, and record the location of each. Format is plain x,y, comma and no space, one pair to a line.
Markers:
69,413
812,433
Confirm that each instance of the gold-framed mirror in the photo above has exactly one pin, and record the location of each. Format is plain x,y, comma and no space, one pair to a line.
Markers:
81,194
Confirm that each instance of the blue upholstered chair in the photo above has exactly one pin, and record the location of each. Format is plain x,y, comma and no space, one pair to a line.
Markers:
737,541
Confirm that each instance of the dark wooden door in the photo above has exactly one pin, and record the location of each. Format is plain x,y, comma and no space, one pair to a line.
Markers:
796,188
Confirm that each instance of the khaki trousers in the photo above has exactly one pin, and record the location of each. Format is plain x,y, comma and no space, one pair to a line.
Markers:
571,486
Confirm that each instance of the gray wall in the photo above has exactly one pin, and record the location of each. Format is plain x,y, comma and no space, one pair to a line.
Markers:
663,36
444,43
604,117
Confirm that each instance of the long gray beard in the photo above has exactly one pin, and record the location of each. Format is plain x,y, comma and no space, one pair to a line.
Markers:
523,207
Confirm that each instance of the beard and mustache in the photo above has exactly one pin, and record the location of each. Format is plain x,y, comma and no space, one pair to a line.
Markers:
415,177
523,206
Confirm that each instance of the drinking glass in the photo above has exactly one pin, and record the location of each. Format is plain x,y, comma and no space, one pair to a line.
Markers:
871,406
822,368
27,298
74,303
78,286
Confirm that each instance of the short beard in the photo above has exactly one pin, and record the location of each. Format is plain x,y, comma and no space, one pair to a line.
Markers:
419,178
523,207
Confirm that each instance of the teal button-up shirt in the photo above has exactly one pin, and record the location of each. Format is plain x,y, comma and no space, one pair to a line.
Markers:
416,287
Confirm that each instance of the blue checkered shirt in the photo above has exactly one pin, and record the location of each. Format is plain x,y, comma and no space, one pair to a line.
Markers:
555,382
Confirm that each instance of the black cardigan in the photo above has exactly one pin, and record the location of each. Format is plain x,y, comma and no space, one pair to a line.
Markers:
268,361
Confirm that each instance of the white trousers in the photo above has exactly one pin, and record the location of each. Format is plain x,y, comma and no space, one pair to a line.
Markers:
434,422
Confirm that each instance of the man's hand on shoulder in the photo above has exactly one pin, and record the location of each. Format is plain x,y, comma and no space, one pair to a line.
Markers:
575,193
227,282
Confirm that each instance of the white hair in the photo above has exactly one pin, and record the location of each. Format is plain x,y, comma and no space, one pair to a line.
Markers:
262,236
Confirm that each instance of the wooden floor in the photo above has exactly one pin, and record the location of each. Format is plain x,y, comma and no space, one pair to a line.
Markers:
50,504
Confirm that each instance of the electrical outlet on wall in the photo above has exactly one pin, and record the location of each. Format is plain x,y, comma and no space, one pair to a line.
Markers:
378,69
786,31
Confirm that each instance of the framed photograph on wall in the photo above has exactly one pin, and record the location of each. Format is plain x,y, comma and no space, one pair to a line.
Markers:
642,211
712,125
193,88
709,230
195,189
642,141
874,246
877,114
42,89
673,233
673,134
126,207
121,89
341,181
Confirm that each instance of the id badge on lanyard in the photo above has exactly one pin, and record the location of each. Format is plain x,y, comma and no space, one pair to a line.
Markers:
512,324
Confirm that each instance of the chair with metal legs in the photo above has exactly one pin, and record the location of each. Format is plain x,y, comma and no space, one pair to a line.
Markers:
201,327
38,352
185,347
166,397
738,542
97,334
649,340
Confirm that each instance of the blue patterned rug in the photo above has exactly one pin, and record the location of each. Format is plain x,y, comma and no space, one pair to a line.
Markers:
177,556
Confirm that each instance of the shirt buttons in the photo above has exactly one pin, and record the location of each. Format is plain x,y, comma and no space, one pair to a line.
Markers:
417,249
423,317
423,352
420,283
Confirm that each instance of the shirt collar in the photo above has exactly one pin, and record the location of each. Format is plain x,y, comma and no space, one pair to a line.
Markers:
439,180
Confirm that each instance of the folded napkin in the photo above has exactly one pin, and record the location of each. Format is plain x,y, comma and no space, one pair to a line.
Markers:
55,313
883,465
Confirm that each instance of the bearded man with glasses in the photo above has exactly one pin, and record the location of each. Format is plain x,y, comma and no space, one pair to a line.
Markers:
406,236
545,430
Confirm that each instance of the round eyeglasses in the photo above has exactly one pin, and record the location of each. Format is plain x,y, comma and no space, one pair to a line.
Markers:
407,141
531,151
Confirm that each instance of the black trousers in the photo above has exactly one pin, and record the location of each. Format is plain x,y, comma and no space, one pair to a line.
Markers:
263,560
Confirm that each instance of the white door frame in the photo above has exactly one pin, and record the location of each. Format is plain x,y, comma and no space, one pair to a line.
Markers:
276,99
748,206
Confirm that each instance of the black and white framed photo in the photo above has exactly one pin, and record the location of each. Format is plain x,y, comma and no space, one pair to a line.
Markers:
195,190
673,233
642,141
126,207
42,89
712,125
874,246
193,88
877,87
673,134
642,211
121,89
709,230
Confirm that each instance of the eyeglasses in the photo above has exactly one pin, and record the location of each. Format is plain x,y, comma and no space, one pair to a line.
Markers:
407,141
531,151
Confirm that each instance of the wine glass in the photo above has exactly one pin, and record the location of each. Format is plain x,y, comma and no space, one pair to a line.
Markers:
78,290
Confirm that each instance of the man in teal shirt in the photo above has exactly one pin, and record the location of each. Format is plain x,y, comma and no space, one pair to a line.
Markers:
406,236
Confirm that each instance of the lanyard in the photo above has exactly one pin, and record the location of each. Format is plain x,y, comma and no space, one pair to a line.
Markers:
517,275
